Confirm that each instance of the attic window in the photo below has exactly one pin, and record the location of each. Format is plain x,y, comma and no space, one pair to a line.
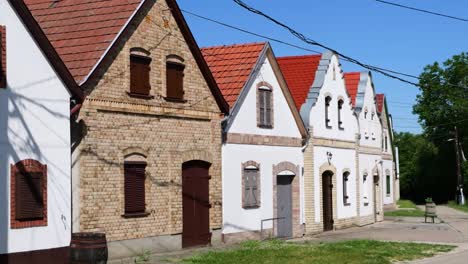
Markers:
140,76
175,78
327,110
3,77
340,108
264,105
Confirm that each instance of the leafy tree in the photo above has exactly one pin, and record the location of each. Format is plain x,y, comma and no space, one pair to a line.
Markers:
442,105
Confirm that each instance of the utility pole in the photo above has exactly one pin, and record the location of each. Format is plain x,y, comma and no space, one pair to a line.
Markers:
460,197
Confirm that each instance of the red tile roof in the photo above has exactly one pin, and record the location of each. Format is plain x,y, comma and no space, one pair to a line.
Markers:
380,102
231,66
352,83
82,30
299,72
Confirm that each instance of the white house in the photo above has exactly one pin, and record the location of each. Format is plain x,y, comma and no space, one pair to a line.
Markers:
361,89
36,92
262,150
391,182
330,160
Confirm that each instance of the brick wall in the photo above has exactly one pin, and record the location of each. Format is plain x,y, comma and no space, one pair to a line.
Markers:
169,133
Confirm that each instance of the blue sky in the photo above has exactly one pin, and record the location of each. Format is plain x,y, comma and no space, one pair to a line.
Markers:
374,33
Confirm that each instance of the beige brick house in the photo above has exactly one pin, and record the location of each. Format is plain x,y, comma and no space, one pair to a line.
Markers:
147,153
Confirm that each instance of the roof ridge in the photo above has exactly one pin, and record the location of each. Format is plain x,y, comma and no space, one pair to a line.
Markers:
300,56
234,45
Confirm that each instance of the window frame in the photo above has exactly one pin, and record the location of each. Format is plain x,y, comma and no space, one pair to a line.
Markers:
265,106
134,213
340,109
175,95
346,175
247,168
328,100
142,63
27,166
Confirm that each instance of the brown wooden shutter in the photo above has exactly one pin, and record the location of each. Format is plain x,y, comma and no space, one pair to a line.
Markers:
29,198
251,192
134,188
175,80
3,77
268,109
140,75
262,107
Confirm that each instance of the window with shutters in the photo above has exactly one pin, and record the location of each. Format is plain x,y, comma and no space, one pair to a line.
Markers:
250,185
3,76
340,108
28,194
134,188
264,105
140,68
175,81
327,111
345,188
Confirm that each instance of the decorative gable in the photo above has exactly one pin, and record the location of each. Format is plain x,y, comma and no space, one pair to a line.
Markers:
3,66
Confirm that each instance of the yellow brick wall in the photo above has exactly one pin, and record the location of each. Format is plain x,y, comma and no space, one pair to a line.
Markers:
169,134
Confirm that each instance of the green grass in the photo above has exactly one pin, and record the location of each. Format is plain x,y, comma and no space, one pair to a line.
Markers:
406,204
406,213
454,205
350,252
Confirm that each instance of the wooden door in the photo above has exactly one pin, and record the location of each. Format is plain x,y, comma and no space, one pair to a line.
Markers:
196,204
327,196
376,197
284,205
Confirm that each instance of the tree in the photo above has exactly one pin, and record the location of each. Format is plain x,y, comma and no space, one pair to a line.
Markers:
442,104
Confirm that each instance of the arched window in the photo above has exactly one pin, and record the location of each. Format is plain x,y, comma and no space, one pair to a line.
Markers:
365,113
28,194
365,191
327,111
340,107
175,78
265,105
134,185
250,185
140,73
372,115
345,188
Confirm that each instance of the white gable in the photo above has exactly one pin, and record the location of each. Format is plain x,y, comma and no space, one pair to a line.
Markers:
34,124
333,86
245,118
370,126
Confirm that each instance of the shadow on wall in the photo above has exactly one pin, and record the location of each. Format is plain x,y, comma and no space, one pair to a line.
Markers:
19,143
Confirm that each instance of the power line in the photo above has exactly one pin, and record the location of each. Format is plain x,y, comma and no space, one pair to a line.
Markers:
309,41
422,10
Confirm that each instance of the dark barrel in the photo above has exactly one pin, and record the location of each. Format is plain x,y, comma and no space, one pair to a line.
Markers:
88,248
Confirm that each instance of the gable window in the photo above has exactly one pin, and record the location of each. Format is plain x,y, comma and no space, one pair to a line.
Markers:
372,115
28,194
327,111
387,176
365,189
386,143
265,105
3,76
365,113
134,188
345,188
250,185
140,75
340,107
175,81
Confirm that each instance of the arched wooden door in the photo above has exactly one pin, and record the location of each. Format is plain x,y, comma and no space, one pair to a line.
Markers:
327,198
195,204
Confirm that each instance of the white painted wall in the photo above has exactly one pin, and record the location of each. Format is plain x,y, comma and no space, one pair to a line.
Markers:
342,159
246,119
236,218
367,163
334,87
369,125
34,124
